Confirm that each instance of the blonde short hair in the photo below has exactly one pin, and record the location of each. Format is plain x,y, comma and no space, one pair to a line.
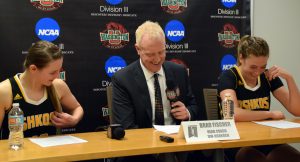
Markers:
152,29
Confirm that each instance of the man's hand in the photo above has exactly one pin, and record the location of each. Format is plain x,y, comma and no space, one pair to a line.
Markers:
179,111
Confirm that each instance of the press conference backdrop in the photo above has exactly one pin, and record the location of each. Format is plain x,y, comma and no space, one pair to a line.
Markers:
97,39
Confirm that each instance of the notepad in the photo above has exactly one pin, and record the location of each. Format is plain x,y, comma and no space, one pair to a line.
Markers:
56,140
282,124
169,129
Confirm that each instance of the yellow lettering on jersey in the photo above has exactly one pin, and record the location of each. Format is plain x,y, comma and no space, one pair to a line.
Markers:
245,104
264,102
255,103
258,103
25,124
30,122
51,114
240,103
46,119
38,120
251,102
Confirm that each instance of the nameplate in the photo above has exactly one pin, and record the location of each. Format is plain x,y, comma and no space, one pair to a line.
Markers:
208,130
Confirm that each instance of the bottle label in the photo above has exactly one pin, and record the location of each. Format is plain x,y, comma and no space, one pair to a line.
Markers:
228,109
15,120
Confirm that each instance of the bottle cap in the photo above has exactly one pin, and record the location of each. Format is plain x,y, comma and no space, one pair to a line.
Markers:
227,95
16,104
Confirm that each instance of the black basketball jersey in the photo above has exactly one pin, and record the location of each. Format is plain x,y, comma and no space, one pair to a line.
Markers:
257,98
36,113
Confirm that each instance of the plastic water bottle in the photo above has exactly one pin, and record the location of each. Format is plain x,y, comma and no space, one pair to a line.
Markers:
228,107
15,125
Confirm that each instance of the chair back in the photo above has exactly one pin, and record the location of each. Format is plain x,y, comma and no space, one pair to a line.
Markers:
109,101
211,103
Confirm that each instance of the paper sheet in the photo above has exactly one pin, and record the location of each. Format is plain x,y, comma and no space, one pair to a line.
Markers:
282,124
56,140
169,129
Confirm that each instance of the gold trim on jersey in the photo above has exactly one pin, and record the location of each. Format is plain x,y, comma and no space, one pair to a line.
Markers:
20,85
244,82
26,98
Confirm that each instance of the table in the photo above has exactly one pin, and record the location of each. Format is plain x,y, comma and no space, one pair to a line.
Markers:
252,134
143,141
136,142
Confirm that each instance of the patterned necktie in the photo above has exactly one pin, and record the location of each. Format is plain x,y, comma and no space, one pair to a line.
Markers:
159,112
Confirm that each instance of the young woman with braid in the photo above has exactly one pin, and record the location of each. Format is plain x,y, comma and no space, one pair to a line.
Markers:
250,84
40,93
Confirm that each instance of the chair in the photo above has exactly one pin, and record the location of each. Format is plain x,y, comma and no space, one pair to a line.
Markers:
211,103
212,113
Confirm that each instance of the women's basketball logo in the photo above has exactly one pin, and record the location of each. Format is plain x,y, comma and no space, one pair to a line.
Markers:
173,6
115,36
47,5
229,37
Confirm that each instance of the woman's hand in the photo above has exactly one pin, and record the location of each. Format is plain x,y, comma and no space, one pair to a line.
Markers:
63,120
276,71
276,115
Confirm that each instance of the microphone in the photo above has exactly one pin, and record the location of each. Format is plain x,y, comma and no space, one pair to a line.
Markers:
115,131
172,91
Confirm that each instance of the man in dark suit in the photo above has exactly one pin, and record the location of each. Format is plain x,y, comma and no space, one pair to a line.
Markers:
133,90
136,90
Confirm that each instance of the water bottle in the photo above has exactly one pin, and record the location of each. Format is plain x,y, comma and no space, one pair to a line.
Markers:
228,107
15,125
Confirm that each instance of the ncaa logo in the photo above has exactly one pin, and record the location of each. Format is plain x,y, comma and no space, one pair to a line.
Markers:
113,64
227,62
47,29
174,30
229,3
114,2
47,5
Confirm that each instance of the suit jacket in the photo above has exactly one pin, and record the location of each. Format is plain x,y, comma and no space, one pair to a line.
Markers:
131,105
